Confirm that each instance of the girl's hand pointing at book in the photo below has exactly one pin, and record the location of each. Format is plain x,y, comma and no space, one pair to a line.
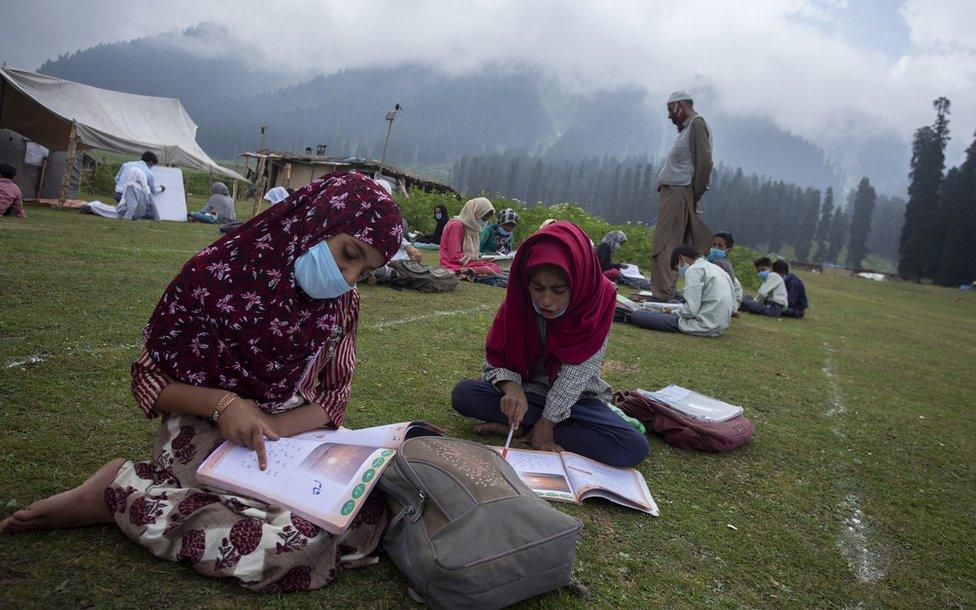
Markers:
243,422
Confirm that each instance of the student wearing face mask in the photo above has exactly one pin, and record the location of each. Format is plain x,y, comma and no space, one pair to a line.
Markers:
255,339
709,300
772,298
610,243
440,220
682,181
718,255
499,237
460,242
544,352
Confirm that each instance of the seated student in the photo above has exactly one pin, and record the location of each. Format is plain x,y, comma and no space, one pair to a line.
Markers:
282,310
610,243
460,249
406,252
544,352
499,236
11,199
219,209
719,255
440,218
137,200
772,299
146,163
796,292
708,293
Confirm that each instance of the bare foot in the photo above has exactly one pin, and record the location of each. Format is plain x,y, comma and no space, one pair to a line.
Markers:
83,505
491,429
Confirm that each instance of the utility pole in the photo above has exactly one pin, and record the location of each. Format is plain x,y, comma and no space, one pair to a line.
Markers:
390,117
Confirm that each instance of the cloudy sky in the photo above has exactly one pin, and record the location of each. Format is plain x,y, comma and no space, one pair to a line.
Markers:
817,67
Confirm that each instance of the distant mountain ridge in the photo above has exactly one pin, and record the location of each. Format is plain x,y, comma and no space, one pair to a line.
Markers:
499,109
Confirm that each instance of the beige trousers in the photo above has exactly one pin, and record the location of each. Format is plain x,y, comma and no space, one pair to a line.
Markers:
677,223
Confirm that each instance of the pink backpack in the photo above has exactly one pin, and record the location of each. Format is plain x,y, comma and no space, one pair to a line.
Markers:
683,431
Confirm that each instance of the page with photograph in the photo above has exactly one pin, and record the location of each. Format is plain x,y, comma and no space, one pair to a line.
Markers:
323,482
592,479
542,472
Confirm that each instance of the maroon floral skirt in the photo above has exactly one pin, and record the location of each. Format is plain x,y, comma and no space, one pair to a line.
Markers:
160,504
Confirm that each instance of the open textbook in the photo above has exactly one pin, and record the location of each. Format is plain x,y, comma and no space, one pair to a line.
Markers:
632,306
569,477
497,256
633,271
322,475
693,404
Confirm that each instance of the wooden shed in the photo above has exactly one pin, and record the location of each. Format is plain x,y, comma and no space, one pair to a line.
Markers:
267,169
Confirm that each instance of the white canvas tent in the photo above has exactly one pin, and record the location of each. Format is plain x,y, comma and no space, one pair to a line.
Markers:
63,115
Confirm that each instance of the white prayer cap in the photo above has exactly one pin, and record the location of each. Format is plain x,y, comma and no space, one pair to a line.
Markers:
680,96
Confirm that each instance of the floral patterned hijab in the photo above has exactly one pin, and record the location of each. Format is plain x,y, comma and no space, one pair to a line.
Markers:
234,317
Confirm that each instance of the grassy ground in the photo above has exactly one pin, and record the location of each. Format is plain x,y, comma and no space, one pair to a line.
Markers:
856,491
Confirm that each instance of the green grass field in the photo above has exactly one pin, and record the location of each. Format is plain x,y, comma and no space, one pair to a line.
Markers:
856,491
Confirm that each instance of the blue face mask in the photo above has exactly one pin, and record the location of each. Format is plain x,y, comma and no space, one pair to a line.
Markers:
715,253
682,270
763,275
503,232
538,311
318,275
438,216
482,223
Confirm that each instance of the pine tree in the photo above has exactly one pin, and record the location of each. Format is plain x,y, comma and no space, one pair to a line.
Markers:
532,193
808,225
511,181
838,236
857,245
918,249
958,264
826,222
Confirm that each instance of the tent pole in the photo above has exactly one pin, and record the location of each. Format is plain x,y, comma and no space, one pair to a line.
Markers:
258,176
69,166
40,177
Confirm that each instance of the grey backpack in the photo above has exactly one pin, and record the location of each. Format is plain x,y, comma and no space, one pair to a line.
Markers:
467,533
418,276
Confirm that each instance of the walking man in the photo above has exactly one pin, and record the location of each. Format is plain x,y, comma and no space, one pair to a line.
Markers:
682,182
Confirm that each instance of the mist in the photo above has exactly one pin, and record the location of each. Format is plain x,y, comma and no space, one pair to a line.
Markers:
832,72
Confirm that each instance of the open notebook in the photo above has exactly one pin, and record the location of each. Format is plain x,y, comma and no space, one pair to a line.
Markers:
569,477
323,476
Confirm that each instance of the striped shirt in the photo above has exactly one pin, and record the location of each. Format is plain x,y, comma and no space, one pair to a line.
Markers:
327,381
709,300
573,382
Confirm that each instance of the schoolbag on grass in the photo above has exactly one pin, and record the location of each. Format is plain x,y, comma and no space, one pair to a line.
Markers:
681,430
467,532
410,274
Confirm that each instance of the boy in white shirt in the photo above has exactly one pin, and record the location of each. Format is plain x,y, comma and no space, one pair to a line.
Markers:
772,297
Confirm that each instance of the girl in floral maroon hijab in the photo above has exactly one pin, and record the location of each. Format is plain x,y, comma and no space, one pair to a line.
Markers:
253,340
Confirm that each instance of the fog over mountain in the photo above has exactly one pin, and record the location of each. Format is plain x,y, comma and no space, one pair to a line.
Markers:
230,91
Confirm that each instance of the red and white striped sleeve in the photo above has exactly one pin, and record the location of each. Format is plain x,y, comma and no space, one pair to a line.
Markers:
148,382
334,376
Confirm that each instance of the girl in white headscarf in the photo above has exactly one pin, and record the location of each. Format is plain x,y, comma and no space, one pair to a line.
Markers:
460,247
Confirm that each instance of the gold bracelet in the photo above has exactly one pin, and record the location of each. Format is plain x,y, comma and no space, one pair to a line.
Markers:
225,401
